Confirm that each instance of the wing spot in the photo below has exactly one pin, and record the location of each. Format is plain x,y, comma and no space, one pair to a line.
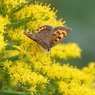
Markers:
65,33
40,29
58,32
55,40
59,37
27,33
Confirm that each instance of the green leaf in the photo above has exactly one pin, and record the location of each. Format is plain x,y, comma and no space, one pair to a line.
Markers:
19,23
10,58
13,93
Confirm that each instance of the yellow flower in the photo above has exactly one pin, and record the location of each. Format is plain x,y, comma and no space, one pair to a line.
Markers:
27,65
21,72
32,89
11,4
65,51
7,64
16,34
2,42
40,15
75,89
75,82
90,70
3,22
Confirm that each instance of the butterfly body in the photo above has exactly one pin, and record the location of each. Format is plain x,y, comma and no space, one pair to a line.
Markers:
47,36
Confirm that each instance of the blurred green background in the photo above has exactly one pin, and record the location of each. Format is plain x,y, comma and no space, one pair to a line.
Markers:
80,16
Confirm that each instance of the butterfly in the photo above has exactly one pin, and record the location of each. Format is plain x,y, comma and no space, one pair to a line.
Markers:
47,36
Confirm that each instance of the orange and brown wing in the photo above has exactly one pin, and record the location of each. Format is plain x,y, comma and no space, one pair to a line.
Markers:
59,34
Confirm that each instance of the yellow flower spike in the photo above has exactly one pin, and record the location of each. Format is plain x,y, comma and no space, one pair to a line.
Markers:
40,14
65,51
65,72
38,62
33,69
11,4
2,42
74,89
21,72
7,64
79,84
90,70
32,89
17,34
3,22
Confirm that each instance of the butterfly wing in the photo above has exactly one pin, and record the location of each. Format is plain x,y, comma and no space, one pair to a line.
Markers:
44,33
42,36
35,38
59,33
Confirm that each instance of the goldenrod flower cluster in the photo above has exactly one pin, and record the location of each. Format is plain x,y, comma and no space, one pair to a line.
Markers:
11,5
65,51
3,21
25,67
